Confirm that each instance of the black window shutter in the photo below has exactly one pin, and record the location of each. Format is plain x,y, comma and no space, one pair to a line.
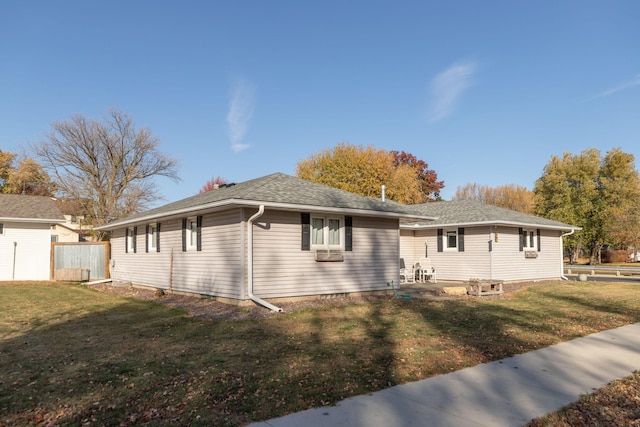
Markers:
158,237
184,234
538,233
522,237
305,220
126,240
146,238
348,233
135,238
460,239
440,242
199,233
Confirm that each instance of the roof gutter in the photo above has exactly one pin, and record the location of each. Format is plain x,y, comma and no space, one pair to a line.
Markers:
250,262
562,276
480,223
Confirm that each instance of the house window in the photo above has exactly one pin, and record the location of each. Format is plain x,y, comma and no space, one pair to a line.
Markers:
192,233
54,238
452,240
1,228
152,236
529,240
326,232
131,239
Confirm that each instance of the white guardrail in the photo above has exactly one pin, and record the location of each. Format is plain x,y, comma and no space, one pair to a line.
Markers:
602,269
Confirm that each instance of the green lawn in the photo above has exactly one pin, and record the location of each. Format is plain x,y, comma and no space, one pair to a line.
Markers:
74,355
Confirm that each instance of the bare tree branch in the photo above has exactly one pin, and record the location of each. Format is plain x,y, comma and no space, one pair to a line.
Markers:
110,164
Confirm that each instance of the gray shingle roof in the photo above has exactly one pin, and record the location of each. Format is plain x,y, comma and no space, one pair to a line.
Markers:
466,212
29,208
279,190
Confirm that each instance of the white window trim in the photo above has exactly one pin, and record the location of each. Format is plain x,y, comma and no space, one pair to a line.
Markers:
530,242
446,240
192,234
325,232
153,229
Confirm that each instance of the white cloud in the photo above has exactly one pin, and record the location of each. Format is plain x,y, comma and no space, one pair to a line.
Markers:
240,112
625,86
446,89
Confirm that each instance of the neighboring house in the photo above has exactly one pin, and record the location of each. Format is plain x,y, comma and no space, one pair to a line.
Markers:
279,237
273,237
64,233
472,240
25,236
75,227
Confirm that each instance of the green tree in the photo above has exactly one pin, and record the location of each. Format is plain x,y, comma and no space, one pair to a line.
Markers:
363,170
509,196
587,190
111,164
620,184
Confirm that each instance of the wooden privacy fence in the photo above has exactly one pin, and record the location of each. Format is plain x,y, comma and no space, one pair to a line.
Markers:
80,261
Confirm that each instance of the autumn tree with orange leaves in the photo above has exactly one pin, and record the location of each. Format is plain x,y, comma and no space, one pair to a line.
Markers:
364,170
212,184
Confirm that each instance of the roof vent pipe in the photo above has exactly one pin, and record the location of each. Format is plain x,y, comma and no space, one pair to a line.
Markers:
383,191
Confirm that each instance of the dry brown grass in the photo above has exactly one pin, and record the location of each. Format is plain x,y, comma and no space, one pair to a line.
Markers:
617,404
70,355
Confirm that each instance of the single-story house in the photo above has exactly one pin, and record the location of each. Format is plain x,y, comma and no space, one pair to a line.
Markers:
472,240
281,237
273,237
25,236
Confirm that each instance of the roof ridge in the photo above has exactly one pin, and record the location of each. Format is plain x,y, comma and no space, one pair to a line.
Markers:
263,181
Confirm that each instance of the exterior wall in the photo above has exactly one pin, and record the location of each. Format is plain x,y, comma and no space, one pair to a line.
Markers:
474,262
283,269
64,234
408,246
216,270
32,251
510,264
504,262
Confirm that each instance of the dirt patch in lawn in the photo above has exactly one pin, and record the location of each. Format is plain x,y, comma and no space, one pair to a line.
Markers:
209,308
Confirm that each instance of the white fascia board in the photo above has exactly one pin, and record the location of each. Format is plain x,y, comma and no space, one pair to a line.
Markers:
231,203
418,226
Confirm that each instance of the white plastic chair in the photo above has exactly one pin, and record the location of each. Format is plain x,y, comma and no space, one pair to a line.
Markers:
426,272
407,274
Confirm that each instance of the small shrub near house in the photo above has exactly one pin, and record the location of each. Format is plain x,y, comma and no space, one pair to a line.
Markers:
612,255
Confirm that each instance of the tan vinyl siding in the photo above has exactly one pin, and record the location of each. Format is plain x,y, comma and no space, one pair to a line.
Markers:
510,263
504,262
409,245
455,265
282,269
216,270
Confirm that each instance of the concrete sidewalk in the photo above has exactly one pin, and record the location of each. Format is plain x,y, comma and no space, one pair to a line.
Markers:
508,392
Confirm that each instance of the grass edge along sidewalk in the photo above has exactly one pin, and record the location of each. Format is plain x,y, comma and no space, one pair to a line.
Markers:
73,356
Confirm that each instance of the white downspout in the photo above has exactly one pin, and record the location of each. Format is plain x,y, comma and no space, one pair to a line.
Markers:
250,261
573,230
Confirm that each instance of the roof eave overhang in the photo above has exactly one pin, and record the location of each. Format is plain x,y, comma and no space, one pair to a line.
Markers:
237,203
33,220
418,226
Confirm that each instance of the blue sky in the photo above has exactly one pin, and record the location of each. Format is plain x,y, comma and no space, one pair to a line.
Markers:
483,91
